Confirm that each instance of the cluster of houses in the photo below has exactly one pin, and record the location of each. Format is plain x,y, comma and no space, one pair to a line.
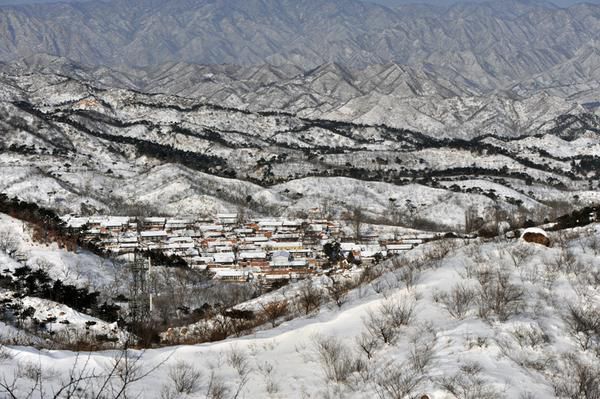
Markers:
265,250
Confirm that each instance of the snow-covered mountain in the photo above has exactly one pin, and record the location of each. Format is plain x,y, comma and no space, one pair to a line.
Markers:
418,121
491,43
398,96
75,147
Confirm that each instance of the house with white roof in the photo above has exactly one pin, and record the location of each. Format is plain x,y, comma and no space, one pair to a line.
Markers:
232,275
398,248
227,218
154,223
224,258
252,255
153,235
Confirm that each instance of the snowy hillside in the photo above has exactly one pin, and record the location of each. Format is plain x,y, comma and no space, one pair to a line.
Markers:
77,148
452,319
81,268
315,199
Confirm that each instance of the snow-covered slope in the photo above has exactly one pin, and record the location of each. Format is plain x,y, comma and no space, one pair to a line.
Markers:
77,148
81,268
511,333
422,98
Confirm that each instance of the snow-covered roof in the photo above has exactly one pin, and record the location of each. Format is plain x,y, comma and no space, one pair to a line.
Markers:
220,243
180,245
115,221
227,216
534,230
230,273
399,247
286,244
292,223
180,239
244,231
224,257
256,239
211,227
155,220
252,255
415,241
76,222
152,233
179,221
129,245
348,246
269,222
289,263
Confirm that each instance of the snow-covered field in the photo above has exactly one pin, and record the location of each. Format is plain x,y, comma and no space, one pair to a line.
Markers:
488,319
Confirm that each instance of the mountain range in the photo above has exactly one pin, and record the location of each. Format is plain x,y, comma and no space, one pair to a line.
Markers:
279,101
489,44
398,96
77,147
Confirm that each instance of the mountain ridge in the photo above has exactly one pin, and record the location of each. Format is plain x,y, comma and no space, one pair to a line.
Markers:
485,41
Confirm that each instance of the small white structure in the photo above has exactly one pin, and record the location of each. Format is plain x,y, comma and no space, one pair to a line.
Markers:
536,235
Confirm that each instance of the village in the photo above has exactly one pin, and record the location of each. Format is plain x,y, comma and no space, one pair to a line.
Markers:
264,250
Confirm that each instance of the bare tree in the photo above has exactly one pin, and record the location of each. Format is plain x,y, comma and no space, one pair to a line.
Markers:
367,343
238,360
499,296
530,336
584,323
11,386
422,348
472,220
338,290
125,369
357,222
409,275
273,311
266,369
518,254
9,242
113,381
309,297
326,208
185,377
216,387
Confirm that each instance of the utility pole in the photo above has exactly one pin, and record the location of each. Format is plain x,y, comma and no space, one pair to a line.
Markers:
139,303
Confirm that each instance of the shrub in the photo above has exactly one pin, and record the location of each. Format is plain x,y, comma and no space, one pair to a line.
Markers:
578,379
9,242
397,382
185,377
531,336
584,323
335,358
385,321
467,384
338,291
499,296
458,300
273,311
367,343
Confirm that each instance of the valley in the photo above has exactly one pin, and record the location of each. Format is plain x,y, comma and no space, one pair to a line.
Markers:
229,199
